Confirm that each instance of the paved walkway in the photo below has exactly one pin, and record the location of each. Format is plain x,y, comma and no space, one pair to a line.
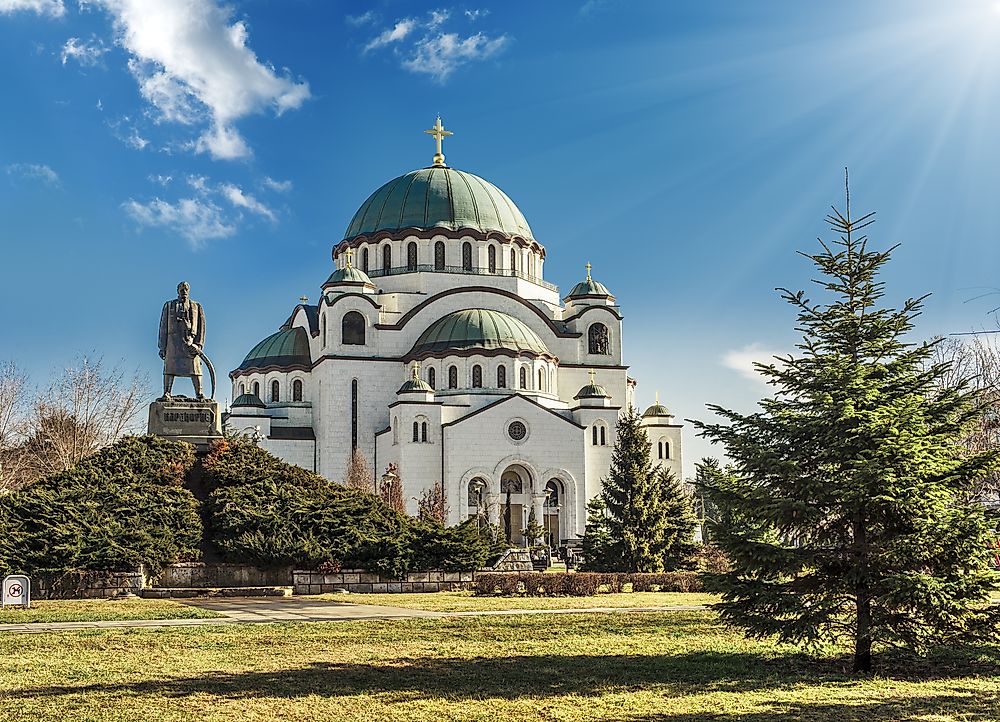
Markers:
271,610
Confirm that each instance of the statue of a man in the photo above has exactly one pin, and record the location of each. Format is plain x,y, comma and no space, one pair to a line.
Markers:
182,338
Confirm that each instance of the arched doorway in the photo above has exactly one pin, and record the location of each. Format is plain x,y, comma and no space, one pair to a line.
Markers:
478,506
515,502
555,497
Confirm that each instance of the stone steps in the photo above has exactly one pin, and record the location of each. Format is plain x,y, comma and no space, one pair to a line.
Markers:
201,592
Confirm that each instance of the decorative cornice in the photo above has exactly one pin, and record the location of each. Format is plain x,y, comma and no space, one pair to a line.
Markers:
268,369
401,234
609,309
488,352
504,401
614,367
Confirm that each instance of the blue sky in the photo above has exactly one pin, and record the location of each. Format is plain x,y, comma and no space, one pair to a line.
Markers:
686,149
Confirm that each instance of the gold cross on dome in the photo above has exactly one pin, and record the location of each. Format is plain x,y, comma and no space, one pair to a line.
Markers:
657,398
592,375
416,369
439,134
304,299
588,270
350,253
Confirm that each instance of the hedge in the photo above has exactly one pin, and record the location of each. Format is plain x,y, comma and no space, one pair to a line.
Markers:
581,584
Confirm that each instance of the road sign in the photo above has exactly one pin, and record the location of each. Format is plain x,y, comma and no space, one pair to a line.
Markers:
16,591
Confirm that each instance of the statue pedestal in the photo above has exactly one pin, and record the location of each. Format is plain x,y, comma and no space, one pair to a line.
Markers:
181,419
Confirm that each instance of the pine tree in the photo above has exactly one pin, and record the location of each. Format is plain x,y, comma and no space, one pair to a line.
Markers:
847,495
644,513
533,531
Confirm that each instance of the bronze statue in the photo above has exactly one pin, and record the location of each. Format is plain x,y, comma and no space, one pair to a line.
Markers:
182,338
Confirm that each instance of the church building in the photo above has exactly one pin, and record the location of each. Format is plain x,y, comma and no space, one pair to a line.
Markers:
438,346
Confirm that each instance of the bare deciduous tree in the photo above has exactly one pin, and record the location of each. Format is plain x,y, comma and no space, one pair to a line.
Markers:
14,405
432,505
84,409
359,475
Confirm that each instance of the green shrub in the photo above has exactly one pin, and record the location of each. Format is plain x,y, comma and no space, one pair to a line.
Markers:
461,548
122,507
581,584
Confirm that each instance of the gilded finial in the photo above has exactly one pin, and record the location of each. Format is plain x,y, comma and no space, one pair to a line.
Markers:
439,134
588,270
416,369
592,374
350,253
304,299
657,398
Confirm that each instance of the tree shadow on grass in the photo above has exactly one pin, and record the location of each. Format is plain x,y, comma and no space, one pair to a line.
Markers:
550,676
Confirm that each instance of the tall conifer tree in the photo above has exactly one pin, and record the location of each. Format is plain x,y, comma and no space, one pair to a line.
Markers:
849,483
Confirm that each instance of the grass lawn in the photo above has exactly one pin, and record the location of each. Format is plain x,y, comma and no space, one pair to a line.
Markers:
101,610
466,602
675,666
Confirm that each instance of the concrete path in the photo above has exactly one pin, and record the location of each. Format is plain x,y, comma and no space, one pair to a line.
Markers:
272,610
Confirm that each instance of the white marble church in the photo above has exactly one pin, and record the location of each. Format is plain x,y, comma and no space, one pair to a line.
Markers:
438,346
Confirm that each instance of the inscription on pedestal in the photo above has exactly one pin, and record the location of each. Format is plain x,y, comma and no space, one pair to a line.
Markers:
186,419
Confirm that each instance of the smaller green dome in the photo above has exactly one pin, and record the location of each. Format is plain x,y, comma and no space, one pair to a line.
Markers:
593,391
249,400
478,328
289,347
588,287
656,410
349,276
415,385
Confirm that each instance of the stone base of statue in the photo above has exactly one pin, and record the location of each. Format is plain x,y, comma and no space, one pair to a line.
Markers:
184,419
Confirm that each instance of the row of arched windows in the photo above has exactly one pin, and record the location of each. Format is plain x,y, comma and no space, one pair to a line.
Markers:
600,435
663,450
275,390
477,378
439,258
420,432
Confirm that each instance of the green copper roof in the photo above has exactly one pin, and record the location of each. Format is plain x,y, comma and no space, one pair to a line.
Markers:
593,391
249,400
590,287
285,348
657,410
348,275
415,385
478,328
438,198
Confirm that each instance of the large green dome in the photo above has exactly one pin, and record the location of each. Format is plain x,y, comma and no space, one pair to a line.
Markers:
439,197
289,347
478,328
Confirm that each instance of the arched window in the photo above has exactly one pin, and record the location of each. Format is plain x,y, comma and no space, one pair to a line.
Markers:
466,256
322,329
432,378
524,377
256,389
476,488
513,260
297,390
594,434
541,380
477,376
452,377
423,431
553,493
416,431
386,257
531,263
243,389
491,253
411,256
353,329
664,449
439,256
354,417
501,377
604,438
364,260
275,388
598,340
395,431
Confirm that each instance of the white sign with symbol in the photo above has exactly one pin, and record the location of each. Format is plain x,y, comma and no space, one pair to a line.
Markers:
16,591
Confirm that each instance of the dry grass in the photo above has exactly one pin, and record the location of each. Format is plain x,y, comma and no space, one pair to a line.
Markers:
101,610
466,602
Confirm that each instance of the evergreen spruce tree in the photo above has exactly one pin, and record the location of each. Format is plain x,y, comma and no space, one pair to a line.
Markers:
644,519
848,487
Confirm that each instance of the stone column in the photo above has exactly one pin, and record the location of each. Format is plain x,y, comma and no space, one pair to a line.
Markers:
493,508
538,505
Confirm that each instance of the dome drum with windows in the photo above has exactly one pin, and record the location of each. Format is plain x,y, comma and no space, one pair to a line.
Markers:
478,330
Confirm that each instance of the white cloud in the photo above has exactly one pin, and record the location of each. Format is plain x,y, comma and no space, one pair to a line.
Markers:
163,180
474,15
742,360
280,186
236,196
54,8
194,66
397,32
363,19
196,219
86,54
440,55
437,18
34,171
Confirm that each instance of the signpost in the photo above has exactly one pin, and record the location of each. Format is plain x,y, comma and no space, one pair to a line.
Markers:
16,591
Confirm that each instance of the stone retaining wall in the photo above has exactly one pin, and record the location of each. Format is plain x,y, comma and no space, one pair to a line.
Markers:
201,575
87,585
361,582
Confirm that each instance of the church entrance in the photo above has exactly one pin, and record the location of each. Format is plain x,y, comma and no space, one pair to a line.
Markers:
515,487
553,507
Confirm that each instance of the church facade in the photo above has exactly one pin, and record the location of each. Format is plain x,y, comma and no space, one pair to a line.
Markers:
437,345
